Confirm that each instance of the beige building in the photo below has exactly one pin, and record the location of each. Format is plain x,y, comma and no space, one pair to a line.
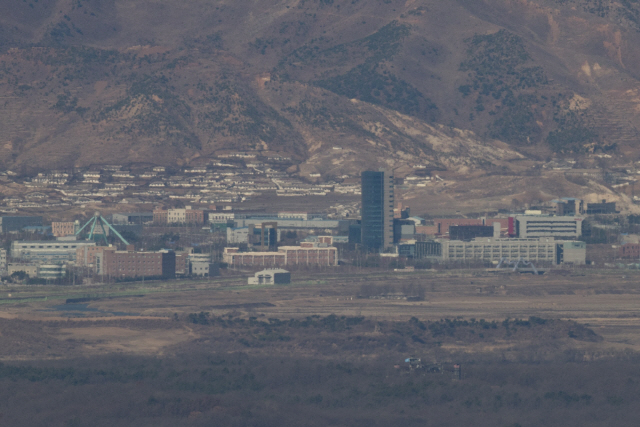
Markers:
30,269
308,253
86,255
178,216
62,229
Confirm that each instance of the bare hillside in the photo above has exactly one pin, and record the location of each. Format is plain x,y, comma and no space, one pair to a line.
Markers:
462,85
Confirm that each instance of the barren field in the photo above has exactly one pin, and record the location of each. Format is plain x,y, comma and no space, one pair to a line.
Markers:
555,350
140,318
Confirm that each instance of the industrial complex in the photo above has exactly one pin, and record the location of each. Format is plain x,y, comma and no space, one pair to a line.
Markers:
384,229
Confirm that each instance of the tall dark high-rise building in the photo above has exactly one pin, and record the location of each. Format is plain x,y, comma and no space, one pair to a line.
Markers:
377,210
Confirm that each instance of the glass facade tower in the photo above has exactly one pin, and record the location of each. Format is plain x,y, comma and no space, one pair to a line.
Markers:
377,210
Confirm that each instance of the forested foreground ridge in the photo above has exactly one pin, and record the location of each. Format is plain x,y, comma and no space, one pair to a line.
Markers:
334,370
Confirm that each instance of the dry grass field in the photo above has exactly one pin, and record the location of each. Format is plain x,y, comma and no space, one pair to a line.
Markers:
140,318
555,350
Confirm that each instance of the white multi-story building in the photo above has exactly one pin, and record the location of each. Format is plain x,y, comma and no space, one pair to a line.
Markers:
49,251
534,226
544,250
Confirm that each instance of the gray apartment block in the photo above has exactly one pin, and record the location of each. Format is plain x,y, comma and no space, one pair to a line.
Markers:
560,227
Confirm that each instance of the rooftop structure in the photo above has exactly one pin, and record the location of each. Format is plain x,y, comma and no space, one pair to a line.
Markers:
97,219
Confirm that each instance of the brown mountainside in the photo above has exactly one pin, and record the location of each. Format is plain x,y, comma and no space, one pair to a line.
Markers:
462,85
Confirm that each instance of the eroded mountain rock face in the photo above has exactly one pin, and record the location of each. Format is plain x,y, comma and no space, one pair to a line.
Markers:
461,86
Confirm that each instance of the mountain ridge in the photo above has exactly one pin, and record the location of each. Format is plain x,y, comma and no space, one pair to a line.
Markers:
88,81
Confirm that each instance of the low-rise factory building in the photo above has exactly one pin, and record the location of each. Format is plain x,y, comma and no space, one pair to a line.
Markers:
308,253
48,251
493,250
271,276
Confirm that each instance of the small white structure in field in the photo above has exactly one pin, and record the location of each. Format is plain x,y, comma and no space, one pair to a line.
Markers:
271,276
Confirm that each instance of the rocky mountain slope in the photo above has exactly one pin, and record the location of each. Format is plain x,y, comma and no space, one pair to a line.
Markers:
466,85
